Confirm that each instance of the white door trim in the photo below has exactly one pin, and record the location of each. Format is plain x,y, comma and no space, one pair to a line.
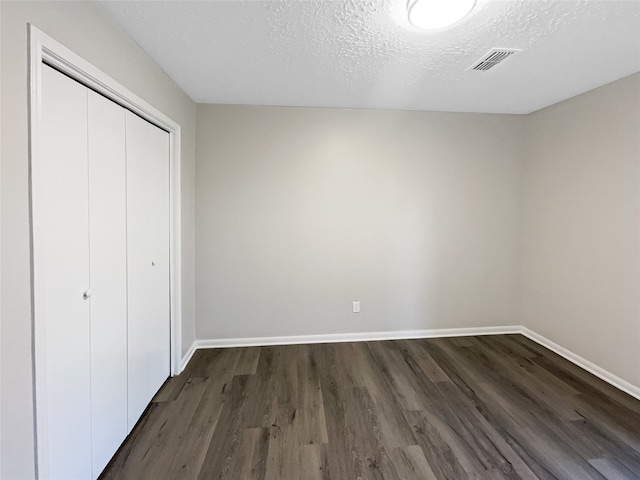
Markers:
43,49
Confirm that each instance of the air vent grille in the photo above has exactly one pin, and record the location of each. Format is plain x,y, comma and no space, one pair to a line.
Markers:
492,58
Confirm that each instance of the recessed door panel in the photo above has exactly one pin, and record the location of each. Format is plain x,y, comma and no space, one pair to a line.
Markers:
108,270
62,214
148,262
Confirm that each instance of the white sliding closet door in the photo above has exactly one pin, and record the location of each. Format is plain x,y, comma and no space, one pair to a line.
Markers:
148,262
108,270
61,213
101,210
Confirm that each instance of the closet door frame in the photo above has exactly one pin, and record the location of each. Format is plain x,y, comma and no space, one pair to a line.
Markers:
44,50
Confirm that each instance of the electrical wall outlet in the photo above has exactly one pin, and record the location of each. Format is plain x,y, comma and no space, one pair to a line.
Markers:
356,306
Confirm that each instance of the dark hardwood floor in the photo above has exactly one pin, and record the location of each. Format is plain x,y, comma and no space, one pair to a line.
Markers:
491,407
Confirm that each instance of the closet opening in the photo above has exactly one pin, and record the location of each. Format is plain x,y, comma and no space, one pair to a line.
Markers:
105,239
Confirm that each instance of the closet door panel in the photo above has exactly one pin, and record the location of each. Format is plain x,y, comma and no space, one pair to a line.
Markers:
148,262
61,209
108,269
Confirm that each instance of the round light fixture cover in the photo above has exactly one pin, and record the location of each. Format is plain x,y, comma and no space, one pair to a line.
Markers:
433,14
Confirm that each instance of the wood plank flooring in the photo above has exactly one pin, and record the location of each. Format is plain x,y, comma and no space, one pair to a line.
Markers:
490,407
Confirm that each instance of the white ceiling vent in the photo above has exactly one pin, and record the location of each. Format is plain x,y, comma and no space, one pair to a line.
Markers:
493,57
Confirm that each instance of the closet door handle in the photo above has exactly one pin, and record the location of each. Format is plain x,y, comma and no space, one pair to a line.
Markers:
153,263
86,294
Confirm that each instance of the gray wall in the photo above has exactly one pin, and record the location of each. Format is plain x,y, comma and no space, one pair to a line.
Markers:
88,31
299,211
581,250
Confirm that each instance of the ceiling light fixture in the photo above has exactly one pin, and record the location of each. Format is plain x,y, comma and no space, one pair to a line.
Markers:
432,14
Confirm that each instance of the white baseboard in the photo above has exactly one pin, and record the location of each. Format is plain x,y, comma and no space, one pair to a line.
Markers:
590,367
187,356
353,337
599,372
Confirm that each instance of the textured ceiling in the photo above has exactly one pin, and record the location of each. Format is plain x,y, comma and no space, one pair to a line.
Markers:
365,54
